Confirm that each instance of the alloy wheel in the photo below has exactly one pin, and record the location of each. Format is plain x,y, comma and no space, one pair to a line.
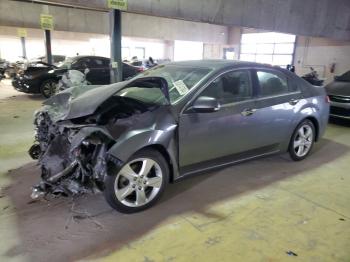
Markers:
138,182
303,140
49,89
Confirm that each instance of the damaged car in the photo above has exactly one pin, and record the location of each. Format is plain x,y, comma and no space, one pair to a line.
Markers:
130,139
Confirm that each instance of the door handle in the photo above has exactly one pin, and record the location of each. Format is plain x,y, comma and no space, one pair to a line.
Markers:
248,112
293,101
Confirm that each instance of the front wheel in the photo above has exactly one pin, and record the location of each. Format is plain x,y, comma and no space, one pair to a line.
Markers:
302,140
139,183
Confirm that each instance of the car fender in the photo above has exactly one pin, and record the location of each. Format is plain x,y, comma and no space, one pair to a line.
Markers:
135,140
306,108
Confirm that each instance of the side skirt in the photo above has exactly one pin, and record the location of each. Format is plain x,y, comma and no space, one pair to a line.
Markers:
227,161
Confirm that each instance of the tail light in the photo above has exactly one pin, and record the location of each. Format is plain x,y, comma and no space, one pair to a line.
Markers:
327,99
140,69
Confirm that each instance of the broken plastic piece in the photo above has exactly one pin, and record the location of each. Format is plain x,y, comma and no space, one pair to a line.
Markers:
37,193
291,253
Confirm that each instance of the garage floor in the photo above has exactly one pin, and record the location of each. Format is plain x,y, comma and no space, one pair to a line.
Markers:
254,211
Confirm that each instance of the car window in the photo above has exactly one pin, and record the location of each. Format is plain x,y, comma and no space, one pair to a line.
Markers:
97,63
74,64
81,63
292,85
180,79
105,62
230,87
272,83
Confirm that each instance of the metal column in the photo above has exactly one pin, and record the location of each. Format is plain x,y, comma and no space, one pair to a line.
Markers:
48,46
23,43
116,45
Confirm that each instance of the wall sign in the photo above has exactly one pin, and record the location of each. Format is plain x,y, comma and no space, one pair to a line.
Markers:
21,32
46,22
118,4
114,64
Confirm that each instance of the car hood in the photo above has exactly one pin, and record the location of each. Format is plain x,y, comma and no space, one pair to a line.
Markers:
338,88
36,70
84,100
79,101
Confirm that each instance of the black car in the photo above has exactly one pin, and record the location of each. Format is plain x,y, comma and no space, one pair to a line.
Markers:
55,59
339,94
43,77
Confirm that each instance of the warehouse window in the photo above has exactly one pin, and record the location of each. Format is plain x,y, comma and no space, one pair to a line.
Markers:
188,50
268,48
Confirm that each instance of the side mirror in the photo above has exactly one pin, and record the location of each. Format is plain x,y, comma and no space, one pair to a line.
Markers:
336,78
86,71
205,104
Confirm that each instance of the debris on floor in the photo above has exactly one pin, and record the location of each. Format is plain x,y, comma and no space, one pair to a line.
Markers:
81,215
291,253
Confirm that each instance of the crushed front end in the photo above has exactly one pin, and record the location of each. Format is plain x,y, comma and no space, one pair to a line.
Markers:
75,131
72,157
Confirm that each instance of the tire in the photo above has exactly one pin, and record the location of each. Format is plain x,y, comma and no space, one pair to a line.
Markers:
302,140
48,88
127,191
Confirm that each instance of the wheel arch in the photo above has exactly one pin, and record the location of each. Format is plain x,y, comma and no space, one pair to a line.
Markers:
316,125
164,152
162,142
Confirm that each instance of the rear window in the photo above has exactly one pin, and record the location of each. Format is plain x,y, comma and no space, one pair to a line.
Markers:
272,83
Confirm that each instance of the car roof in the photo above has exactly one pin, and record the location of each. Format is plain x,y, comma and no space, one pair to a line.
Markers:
218,63
88,56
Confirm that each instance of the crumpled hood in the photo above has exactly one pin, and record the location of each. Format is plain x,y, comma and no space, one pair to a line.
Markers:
79,101
83,100
338,88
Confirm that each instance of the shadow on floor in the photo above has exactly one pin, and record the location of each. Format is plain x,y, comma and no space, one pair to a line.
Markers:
56,230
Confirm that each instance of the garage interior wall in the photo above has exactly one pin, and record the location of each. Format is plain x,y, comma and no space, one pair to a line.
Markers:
322,54
319,53
86,32
161,32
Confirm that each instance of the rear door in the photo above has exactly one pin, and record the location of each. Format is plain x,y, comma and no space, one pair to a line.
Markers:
278,97
102,70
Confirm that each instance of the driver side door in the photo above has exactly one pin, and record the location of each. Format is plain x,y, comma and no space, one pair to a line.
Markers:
217,135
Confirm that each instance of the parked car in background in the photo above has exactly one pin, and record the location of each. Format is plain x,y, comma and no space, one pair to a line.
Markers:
3,67
145,63
130,139
339,95
21,65
43,79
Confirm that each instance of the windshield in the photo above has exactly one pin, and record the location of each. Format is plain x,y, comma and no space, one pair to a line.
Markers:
180,80
66,64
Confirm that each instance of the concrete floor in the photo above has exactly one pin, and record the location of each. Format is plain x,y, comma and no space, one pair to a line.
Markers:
254,211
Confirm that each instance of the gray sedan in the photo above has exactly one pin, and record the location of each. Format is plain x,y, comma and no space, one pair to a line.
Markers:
339,94
131,139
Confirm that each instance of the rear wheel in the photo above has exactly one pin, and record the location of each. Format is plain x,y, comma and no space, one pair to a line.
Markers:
139,183
48,88
302,140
